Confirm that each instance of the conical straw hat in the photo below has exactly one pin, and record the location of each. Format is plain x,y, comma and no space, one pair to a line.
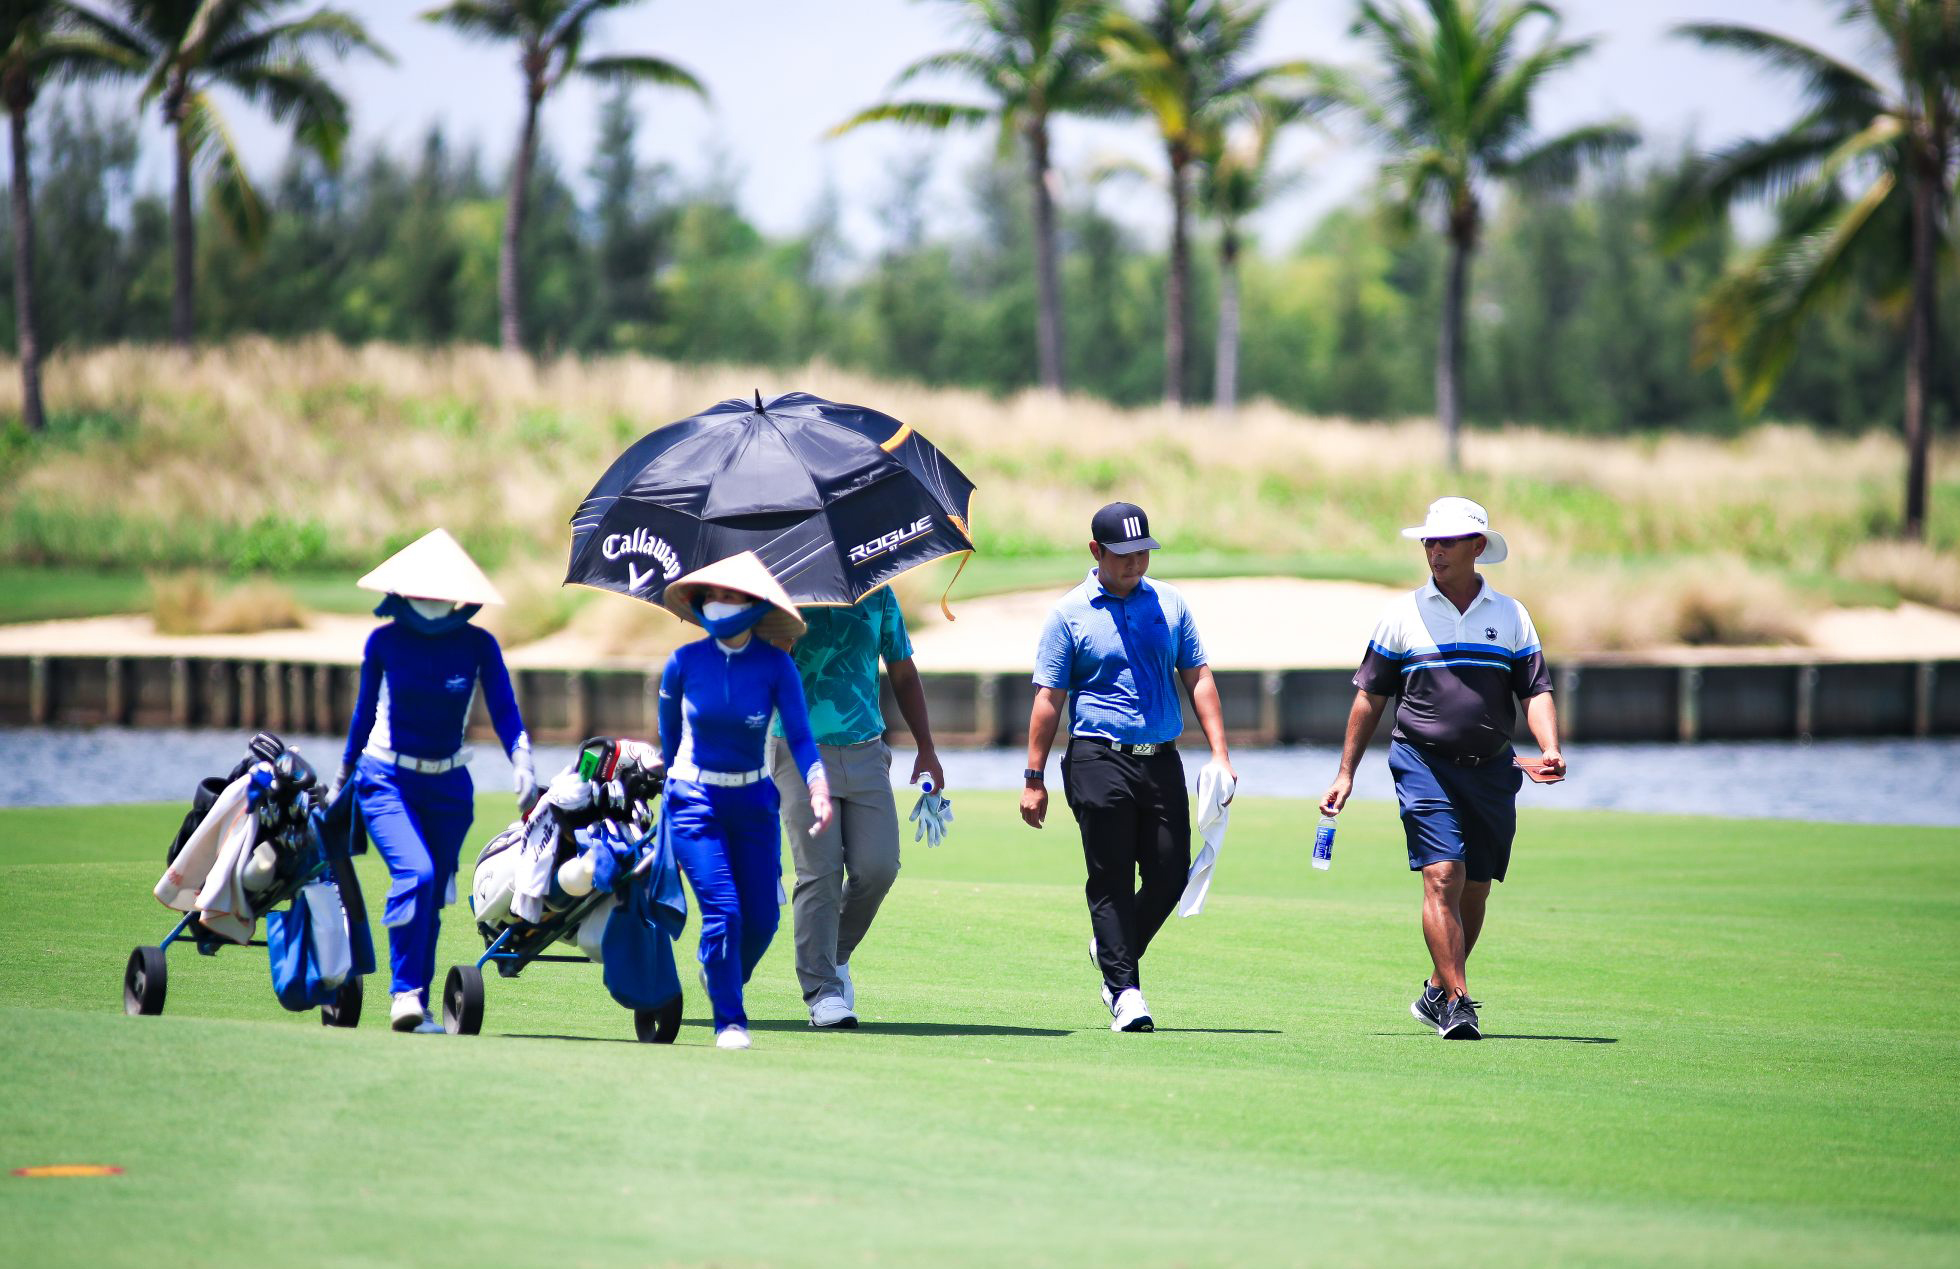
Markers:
433,566
748,574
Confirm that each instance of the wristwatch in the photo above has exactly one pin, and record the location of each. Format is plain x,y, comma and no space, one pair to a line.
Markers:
1034,775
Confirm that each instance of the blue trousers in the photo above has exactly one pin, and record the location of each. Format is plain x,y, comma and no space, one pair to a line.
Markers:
727,843
418,823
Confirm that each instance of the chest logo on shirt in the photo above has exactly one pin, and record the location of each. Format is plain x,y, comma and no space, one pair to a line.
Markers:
755,721
1490,632
890,541
457,682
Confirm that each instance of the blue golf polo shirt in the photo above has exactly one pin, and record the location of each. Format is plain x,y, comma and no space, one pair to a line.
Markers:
1118,660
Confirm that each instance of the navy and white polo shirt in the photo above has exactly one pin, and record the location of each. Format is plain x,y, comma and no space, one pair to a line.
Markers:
1455,672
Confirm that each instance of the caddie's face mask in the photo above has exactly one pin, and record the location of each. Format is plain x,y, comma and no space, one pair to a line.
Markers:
426,616
432,609
725,621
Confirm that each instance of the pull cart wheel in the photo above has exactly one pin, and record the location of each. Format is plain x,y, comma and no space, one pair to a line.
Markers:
658,1026
144,981
345,1011
462,1000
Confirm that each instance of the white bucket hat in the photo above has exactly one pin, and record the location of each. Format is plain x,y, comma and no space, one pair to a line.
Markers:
1460,518
747,573
434,566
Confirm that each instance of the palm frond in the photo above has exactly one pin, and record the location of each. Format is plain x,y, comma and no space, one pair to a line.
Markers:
210,139
1556,163
338,33
125,39
81,59
642,69
968,62
938,116
1828,82
478,19
296,96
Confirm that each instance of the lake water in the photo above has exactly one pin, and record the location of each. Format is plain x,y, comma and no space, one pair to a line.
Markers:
1853,781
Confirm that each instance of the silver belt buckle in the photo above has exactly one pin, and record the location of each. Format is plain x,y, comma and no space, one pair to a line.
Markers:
1143,751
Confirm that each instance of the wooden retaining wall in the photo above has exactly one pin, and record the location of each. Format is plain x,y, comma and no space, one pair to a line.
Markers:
1605,701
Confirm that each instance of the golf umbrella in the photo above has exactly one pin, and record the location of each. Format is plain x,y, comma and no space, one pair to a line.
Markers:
836,500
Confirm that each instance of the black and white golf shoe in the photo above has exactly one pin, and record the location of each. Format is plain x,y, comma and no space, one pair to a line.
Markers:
1460,1020
1428,1007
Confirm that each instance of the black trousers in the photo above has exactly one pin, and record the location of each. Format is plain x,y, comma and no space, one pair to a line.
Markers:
1135,818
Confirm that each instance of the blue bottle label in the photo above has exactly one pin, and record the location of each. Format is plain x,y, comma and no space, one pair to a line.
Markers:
1323,842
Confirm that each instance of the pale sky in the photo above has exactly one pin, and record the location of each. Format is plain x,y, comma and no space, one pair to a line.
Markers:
781,72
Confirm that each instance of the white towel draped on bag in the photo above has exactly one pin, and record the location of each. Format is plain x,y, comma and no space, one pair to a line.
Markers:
1215,792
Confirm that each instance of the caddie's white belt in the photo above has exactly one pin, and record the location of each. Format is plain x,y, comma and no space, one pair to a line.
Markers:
425,766
722,779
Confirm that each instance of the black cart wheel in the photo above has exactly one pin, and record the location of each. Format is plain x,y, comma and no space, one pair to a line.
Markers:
462,1000
345,1011
658,1026
144,981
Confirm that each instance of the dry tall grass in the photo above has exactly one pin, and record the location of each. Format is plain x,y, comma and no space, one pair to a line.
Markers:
332,454
197,603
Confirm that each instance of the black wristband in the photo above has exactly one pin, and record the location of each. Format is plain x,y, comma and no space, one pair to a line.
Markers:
1034,774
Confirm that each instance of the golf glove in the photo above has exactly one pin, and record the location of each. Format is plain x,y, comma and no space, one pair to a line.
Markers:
524,779
932,813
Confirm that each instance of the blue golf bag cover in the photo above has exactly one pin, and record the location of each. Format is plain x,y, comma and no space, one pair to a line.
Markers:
289,946
638,944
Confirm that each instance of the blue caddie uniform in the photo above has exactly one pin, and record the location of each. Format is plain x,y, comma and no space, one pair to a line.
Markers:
412,771
721,805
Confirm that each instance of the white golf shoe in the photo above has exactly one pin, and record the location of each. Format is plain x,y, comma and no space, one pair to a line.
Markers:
1131,1014
732,1037
832,1011
850,990
406,1013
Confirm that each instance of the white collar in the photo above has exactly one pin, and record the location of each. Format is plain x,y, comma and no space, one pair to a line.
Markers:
1429,591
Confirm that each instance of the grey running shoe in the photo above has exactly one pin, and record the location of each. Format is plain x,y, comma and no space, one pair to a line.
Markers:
1428,1007
1460,1020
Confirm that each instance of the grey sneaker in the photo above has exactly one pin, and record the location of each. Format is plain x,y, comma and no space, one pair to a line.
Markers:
1460,1020
1428,1007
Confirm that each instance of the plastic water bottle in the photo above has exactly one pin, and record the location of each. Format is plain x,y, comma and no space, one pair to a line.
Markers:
926,785
1323,842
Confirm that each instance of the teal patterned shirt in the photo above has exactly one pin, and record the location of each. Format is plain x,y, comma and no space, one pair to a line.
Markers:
838,658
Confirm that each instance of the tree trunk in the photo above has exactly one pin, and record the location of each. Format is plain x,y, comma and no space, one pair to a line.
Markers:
29,338
1449,343
1919,350
1176,305
183,243
1048,275
1227,398
510,284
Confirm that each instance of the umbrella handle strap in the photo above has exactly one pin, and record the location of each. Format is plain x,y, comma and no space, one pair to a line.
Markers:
943,609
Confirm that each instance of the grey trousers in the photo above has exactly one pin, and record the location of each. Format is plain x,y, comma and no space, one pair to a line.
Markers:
843,874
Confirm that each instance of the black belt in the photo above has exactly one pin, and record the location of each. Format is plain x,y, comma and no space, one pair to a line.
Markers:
1139,751
1464,759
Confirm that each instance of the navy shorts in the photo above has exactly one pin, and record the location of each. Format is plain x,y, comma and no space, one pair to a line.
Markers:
1449,812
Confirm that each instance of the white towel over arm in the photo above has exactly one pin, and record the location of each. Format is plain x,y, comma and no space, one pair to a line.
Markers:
1215,793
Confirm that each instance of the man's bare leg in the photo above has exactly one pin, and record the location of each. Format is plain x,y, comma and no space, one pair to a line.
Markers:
1443,924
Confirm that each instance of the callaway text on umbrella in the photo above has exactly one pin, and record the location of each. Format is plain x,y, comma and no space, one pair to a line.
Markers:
835,499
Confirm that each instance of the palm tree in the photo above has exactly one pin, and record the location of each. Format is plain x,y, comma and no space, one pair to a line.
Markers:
41,41
1035,59
548,34
1455,116
1866,176
1236,180
193,46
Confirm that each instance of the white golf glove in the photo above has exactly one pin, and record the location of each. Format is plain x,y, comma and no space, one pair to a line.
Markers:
524,777
932,813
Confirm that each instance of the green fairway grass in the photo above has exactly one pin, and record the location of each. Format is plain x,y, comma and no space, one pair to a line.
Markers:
1710,1042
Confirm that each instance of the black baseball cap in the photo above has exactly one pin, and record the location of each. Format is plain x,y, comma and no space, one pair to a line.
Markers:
1122,527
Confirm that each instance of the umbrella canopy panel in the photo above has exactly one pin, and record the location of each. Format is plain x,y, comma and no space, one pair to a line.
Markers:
835,499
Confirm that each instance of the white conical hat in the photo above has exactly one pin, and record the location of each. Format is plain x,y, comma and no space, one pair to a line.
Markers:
433,566
748,574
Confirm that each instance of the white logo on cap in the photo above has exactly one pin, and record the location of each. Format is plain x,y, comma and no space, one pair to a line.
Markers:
1132,526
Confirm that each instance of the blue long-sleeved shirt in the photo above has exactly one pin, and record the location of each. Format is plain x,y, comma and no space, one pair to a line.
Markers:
715,707
416,691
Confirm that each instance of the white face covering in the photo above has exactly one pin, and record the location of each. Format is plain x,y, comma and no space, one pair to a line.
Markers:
715,610
432,609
